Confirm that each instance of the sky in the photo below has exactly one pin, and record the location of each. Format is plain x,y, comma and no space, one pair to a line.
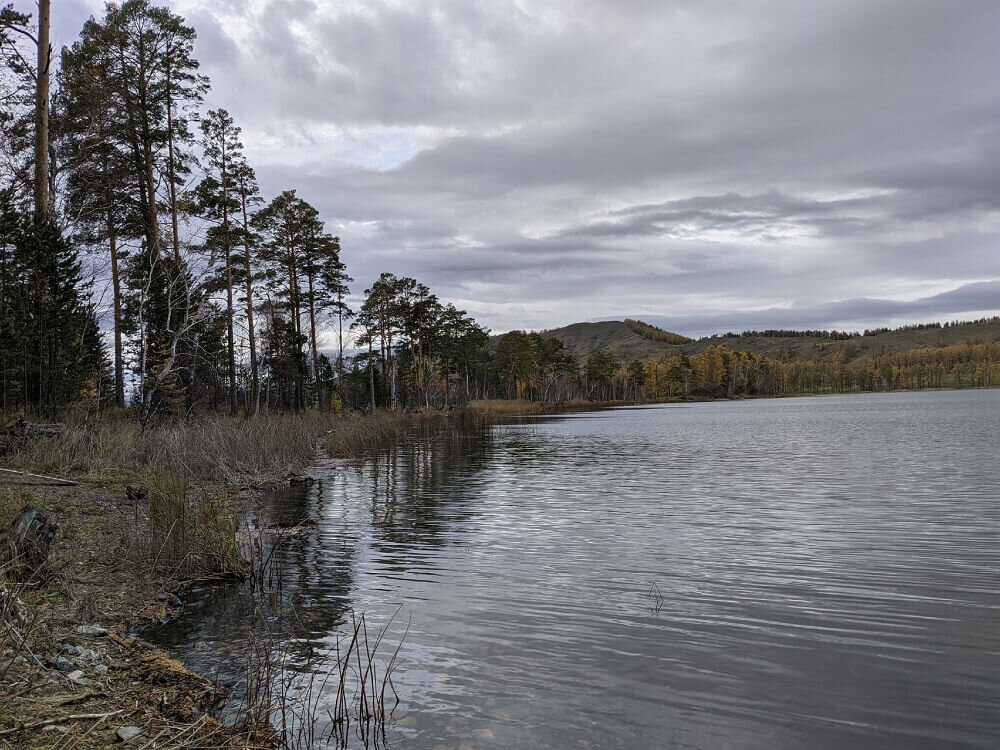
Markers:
704,165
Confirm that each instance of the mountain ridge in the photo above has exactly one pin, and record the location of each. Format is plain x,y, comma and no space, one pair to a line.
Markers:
616,337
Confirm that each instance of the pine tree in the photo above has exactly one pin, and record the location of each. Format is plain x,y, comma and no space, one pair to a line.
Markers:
100,188
218,200
289,230
249,195
50,351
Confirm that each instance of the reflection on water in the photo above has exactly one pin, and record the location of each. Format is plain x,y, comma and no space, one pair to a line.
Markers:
819,573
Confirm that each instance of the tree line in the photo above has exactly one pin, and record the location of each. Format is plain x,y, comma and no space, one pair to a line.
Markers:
719,372
836,335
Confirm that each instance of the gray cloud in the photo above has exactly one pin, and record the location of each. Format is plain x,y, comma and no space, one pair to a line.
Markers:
701,162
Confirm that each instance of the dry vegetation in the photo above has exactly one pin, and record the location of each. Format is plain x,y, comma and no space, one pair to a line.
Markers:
70,677
223,450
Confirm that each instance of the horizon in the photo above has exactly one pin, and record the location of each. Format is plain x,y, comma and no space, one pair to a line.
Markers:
625,159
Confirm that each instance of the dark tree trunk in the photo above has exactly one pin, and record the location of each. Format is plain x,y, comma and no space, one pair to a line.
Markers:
42,112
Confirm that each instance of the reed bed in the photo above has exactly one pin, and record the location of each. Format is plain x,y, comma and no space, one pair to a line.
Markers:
292,708
185,534
230,450
505,408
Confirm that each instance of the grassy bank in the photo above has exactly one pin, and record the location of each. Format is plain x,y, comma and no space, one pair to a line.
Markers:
120,560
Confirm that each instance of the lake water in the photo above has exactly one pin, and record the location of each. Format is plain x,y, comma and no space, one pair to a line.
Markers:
797,573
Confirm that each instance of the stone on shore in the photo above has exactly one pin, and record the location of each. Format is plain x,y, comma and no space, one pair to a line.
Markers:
130,734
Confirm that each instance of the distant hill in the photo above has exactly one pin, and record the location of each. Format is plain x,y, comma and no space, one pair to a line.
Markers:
626,344
610,335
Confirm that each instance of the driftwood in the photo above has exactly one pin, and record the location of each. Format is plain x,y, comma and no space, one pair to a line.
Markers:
26,474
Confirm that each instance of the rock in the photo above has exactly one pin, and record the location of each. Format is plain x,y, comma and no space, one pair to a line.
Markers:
63,664
88,654
77,675
25,545
100,669
130,734
81,652
92,630
301,480
55,728
136,494
161,597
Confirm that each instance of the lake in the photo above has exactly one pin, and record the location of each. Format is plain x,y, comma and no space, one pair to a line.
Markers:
813,572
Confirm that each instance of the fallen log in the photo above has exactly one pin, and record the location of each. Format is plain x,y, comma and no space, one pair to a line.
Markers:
24,429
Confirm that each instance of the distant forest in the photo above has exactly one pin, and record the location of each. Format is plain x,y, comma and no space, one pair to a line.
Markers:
842,335
142,267
531,366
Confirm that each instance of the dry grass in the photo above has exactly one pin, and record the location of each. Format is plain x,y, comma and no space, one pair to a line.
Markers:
503,407
186,535
290,707
113,558
233,451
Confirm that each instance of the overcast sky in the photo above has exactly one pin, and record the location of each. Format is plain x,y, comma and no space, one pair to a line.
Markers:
702,164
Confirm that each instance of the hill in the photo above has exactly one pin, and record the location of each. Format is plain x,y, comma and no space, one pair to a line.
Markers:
626,344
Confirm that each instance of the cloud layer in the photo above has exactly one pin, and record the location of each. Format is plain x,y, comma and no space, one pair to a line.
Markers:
710,164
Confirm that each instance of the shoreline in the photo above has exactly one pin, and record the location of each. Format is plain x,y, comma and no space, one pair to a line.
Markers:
88,617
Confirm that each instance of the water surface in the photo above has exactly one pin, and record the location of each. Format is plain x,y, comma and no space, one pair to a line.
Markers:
816,572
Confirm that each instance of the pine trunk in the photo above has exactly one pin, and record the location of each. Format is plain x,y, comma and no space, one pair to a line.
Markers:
42,112
254,378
